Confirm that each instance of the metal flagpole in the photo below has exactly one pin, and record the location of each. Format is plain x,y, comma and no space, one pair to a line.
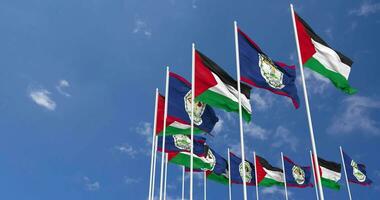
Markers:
229,175
240,111
345,172
154,166
315,178
153,151
204,185
283,169
183,182
164,131
166,174
192,118
315,157
256,182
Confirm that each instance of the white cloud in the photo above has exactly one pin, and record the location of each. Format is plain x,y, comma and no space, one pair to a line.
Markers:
329,33
91,185
275,191
41,97
145,129
142,28
262,100
62,84
256,131
366,8
315,83
127,149
194,4
283,137
218,127
129,180
355,114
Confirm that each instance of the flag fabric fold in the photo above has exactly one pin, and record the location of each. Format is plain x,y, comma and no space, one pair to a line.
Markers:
179,107
258,70
297,176
267,175
356,172
217,88
318,56
237,167
330,173
182,143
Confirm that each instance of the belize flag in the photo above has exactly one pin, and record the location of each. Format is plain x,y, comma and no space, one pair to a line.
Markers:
258,70
182,143
179,106
356,173
297,176
237,168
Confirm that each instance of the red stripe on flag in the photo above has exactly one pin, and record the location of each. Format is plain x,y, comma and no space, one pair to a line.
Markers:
203,76
259,170
306,46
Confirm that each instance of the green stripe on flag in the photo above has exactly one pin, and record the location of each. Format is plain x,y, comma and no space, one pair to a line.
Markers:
217,100
218,178
184,160
337,79
268,182
330,184
175,131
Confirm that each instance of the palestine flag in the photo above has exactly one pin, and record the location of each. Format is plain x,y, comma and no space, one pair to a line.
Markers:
296,176
237,168
317,55
174,125
356,172
179,106
258,69
217,88
330,173
267,175
180,143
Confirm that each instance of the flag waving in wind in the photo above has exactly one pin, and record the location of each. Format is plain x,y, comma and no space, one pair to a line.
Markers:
237,167
179,106
317,55
296,176
356,172
217,88
258,70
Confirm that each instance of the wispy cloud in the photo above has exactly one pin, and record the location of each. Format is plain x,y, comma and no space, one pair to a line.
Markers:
329,32
355,115
130,180
194,4
218,127
145,129
275,191
91,185
42,98
256,131
127,149
316,83
262,100
142,27
366,8
283,137
62,85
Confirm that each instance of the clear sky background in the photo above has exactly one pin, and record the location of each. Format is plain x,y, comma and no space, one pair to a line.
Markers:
77,81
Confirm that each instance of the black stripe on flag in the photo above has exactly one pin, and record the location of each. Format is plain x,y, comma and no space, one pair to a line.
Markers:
329,165
266,164
223,75
315,37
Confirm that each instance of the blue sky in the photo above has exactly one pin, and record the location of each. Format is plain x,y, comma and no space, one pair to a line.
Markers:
77,88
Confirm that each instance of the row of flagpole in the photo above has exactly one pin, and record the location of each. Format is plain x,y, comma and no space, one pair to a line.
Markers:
313,153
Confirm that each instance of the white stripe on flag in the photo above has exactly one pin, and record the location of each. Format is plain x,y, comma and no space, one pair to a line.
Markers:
275,175
330,174
330,59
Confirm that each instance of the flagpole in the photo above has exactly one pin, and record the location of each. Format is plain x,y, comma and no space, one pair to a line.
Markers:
345,172
315,157
166,174
183,182
283,169
240,111
154,167
153,147
192,118
315,179
164,131
229,175
256,182
204,185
